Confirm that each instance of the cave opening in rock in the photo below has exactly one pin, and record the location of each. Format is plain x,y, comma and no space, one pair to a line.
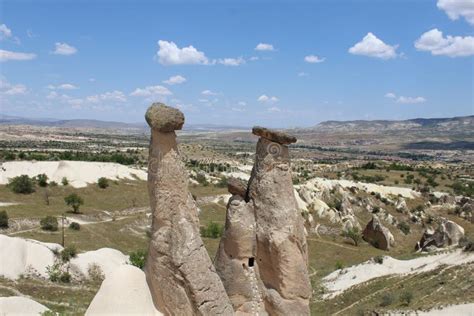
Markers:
251,262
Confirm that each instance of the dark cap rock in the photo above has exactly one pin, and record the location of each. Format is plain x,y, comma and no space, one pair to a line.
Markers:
273,135
236,187
164,118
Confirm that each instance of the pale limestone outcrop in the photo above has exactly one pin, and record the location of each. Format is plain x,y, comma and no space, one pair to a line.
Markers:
179,272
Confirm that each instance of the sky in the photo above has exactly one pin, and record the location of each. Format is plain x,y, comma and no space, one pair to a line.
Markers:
241,63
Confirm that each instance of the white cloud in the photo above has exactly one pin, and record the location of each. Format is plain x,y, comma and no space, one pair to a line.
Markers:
64,86
208,92
452,46
405,100
274,109
117,96
150,91
5,32
175,80
302,74
373,47
64,49
6,88
6,55
267,99
92,80
253,58
313,59
231,61
264,47
457,8
170,54
410,100
242,103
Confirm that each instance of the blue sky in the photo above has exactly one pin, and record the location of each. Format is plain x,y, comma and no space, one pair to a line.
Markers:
317,60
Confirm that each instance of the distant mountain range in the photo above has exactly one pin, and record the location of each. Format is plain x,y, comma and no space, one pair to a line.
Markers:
96,124
462,123
455,124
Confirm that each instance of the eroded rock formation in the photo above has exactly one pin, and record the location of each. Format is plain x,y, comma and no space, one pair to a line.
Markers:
179,272
447,234
378,235
263,255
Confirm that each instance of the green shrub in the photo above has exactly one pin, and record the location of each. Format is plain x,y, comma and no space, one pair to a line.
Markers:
138,258
75,201
387,300
404,227
213,230
75,226
21,184
58,273
201,178
95,273
378,259
406,297
49,223
339,265
353,234
103,183
3,219
42,180
53,184
64,181
68,253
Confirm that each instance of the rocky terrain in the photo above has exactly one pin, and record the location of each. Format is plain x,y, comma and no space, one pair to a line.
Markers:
265,224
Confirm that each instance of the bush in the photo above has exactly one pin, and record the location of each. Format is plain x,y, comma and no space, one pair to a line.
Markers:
49,223
339,265
68,253
95,273
58,273
378,259
138,258
3,219
353,234
42,180
213,230
103,183
75,201
404,227
22,184
467,244
201,178
387,300
75,226
406,297
64,181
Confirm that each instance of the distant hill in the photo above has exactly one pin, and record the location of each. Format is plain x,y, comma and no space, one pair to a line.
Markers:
109,125
459,124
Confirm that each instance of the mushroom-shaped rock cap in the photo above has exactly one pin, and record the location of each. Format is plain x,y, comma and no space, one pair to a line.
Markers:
273,135
164,118
236,187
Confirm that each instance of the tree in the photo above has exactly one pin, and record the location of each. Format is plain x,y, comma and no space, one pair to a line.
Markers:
353,234
3,219
75,226
103,183
22,184
42,180
64,181
75,201
49,223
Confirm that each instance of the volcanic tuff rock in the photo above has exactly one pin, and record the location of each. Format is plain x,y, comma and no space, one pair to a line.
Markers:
378,235
164,118
179,272
282,254
447,234
274,136
235,259
237,187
